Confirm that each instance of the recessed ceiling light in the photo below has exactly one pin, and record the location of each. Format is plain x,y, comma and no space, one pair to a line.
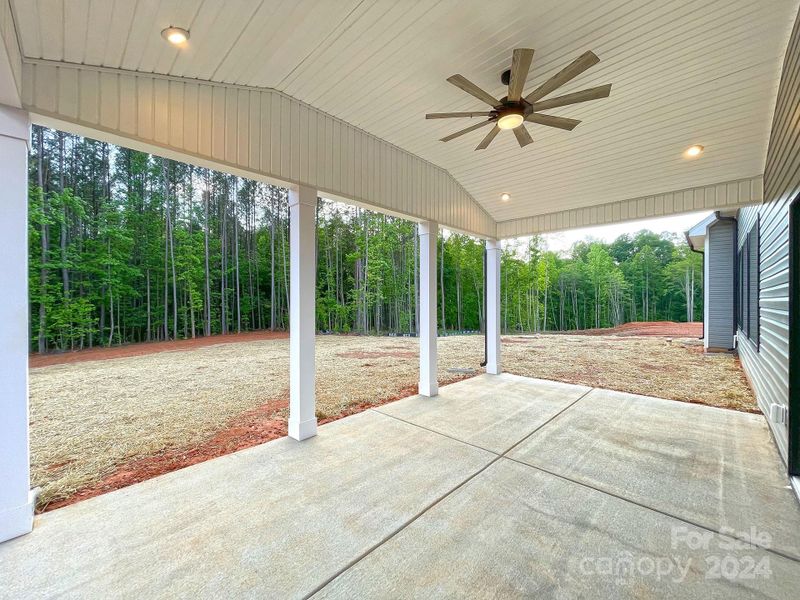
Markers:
694,151
505,197
175,35
511,118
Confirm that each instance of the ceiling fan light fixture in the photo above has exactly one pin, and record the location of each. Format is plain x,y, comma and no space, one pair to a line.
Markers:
510,119
512,110
175,35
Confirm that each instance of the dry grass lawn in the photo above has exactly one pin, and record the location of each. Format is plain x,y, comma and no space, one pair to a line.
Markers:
89,418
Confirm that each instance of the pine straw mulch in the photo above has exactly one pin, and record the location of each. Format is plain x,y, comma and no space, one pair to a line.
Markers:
673,368
100,425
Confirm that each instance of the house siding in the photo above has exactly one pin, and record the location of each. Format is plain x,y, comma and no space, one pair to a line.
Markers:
767,363
719,265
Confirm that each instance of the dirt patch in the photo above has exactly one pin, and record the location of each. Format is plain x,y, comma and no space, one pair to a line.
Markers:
393,354
143,349
518,340
671,368
637,328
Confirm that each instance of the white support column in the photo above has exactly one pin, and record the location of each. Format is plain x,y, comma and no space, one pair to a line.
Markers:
16,500
428,327
302,312
493,307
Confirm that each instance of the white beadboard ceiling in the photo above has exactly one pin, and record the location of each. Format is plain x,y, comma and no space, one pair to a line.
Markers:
684,72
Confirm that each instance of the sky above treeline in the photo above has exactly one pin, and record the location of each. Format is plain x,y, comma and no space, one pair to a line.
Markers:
562,241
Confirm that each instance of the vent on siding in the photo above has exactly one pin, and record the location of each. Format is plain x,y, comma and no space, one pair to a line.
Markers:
778,413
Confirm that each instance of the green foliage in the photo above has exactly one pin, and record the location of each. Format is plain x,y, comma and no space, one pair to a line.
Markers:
127,247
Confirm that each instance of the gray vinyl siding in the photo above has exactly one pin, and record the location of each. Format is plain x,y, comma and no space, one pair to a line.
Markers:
767,364
719,283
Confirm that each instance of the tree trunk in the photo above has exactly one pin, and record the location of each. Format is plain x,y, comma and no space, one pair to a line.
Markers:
111,314
441,286
285,261
272,298
149,318
207,326
166,271
236,254
42,346
65,217
171,251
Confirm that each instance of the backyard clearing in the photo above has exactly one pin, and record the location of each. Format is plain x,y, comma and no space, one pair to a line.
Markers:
99,425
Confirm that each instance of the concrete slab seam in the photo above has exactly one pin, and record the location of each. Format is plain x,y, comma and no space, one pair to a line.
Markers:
656,510
497,457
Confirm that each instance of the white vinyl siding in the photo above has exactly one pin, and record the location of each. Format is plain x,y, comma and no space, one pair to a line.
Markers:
8,38
253,132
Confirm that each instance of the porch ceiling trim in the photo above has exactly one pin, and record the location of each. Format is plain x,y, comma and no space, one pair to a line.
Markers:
10,58
727,194
258,132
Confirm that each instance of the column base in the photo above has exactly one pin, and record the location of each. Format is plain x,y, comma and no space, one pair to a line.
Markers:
17,521
428,389
302,430
493,369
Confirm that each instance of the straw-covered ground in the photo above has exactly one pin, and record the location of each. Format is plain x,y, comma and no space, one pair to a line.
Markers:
103,424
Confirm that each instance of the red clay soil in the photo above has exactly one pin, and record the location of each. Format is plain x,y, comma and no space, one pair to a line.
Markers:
58,358
656,328
254,427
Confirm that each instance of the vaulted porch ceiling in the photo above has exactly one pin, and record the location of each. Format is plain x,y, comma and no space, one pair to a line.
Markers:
684,72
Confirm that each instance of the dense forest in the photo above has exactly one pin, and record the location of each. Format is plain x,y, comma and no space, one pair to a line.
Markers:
128,247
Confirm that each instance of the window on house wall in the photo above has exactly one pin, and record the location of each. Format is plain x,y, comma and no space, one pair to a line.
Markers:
753,284
748,273
740,278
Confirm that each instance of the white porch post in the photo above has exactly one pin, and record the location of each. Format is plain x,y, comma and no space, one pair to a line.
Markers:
302,312
493,307
16,500
428,328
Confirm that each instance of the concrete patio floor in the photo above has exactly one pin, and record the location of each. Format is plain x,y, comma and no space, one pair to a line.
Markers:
502,486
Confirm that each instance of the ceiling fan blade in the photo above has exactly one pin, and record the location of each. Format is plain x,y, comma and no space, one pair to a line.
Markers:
465,84
550,121
488,139
520,65
568,73
447,138
584,95
453,115
523,136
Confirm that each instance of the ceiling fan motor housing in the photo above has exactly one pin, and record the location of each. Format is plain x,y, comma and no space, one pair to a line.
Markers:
511,111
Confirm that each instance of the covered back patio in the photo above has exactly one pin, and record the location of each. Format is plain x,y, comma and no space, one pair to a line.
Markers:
499,486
